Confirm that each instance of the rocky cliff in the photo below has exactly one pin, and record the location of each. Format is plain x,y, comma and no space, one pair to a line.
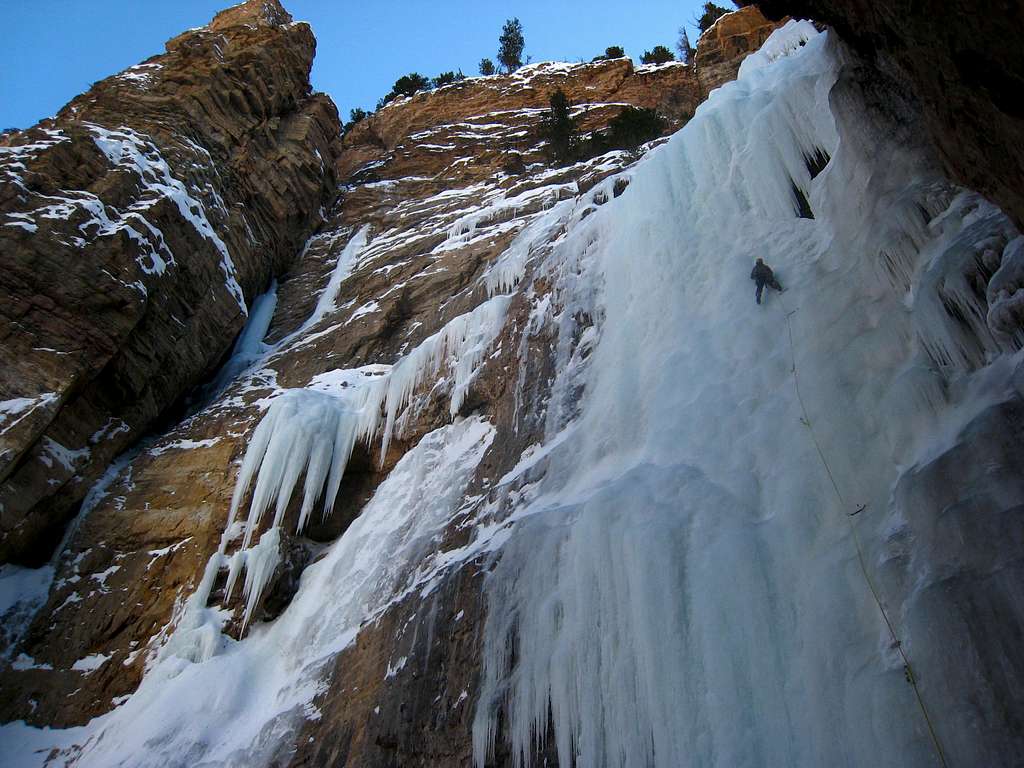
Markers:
136,226
441,293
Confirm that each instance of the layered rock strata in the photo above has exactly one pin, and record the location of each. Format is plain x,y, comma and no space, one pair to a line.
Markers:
515,102
722,48
135,226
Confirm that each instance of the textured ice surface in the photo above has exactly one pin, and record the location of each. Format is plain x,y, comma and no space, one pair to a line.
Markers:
22,592
249,348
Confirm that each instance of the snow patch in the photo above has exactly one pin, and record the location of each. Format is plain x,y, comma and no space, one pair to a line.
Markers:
90,664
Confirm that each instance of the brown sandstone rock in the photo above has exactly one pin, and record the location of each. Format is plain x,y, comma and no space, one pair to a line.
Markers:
130,227
598,90
722,48
129,565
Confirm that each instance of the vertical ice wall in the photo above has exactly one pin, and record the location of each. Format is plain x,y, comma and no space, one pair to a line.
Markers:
682,587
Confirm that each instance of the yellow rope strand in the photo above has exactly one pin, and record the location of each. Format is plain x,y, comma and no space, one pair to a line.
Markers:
907,669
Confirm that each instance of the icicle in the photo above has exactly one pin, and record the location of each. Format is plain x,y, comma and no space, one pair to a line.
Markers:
465,339
951,308
260,562
303,431
236,564
505,274
1006,290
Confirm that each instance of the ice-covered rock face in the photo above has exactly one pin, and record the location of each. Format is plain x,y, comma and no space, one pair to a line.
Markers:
966,75
603,526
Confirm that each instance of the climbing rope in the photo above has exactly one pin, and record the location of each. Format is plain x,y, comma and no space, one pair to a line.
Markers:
908,670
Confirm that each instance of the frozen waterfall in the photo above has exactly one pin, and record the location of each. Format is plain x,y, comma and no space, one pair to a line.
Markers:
672,581
682,587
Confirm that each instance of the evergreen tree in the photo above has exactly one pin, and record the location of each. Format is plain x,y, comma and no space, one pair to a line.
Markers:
633,127
406,85
510,45
614,52
447,78
686,51
560,130
712,13
658,55
355,116
486,67
409,84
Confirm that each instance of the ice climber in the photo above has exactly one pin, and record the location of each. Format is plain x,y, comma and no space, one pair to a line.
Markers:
762,275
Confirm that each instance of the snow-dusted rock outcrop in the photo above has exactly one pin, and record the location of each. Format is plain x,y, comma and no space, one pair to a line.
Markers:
133,225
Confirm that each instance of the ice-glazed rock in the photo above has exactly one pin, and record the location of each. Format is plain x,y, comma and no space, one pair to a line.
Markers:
960,61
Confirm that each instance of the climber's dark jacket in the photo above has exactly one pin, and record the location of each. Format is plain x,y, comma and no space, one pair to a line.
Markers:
762,274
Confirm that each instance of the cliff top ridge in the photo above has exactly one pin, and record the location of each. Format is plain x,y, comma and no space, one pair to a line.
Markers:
260,12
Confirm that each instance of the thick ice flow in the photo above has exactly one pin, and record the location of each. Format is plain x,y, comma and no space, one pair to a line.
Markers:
680,586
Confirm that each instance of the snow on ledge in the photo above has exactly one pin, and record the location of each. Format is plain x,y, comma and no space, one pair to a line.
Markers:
646,69
91,663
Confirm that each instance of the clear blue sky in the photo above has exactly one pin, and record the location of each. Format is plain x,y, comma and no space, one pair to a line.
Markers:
54,49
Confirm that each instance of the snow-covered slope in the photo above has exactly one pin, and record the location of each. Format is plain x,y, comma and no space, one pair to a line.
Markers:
671,568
